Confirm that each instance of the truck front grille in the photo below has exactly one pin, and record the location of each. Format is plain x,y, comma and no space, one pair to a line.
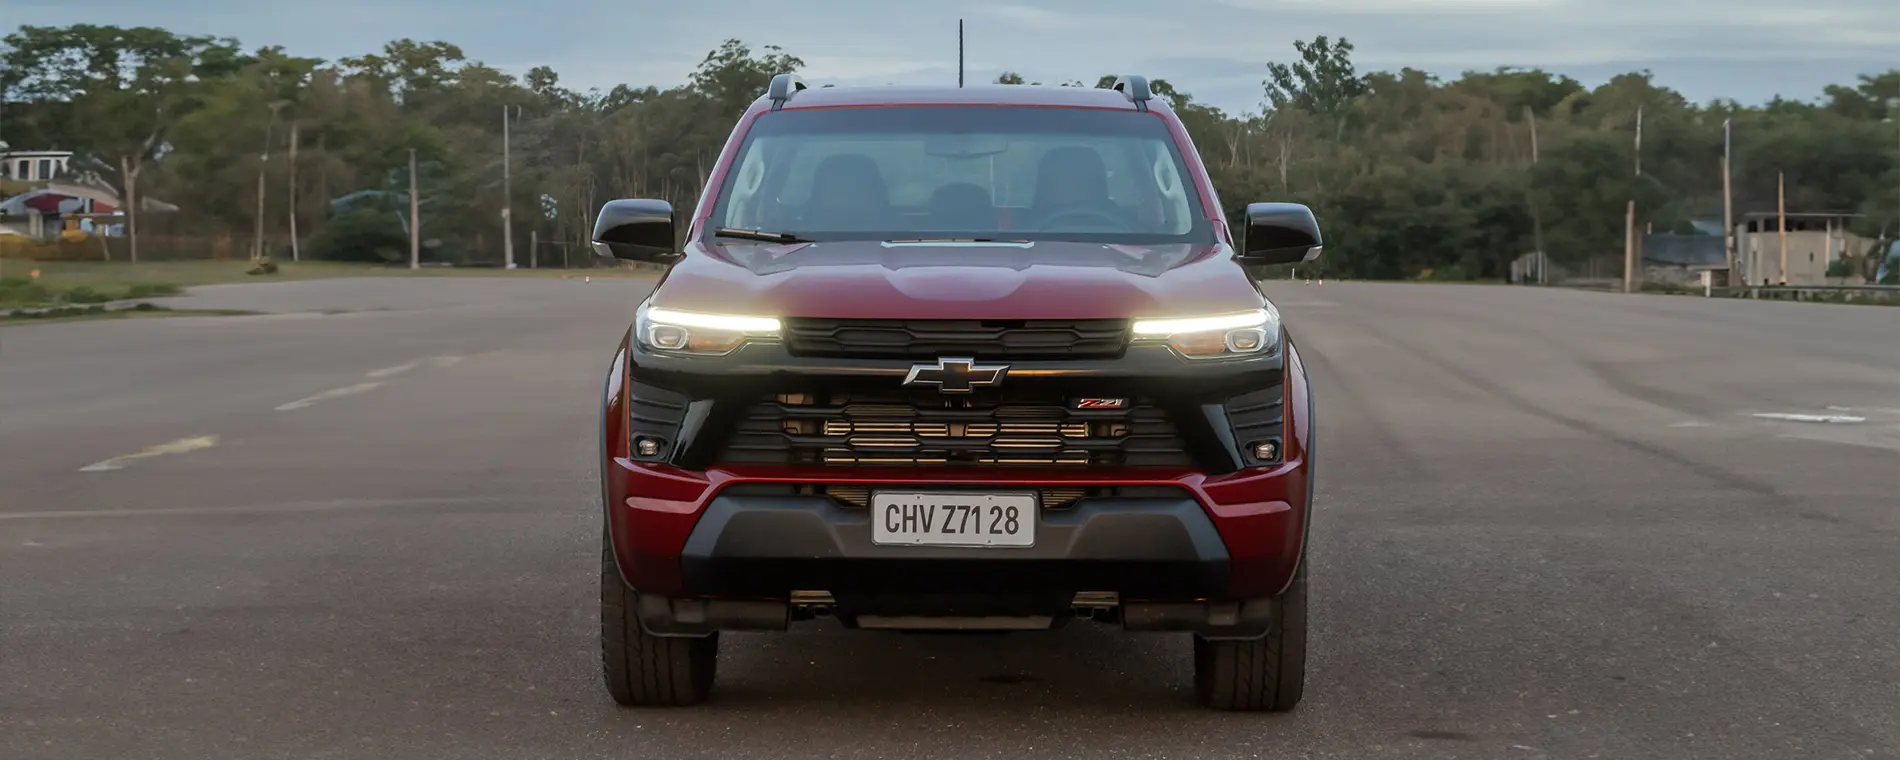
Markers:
1050,497
928,428
982,339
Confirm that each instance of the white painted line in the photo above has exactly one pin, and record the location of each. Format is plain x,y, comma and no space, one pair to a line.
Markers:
329,394
338,505
1690,424
443,362
1878,409
393,371
1791,417
180,446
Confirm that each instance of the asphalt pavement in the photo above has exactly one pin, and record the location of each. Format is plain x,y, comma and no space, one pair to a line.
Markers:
1551,524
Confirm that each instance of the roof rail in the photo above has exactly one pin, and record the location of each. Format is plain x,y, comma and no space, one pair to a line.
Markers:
782,88
1137,90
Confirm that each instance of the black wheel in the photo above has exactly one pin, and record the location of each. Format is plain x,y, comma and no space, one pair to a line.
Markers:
1265,674
642,669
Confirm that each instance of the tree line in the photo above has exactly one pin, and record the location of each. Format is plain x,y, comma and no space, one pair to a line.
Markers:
1413,175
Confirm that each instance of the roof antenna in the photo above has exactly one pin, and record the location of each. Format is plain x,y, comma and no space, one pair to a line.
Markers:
959,53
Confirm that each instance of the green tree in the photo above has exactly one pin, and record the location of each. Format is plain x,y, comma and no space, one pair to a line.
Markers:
1323,82
125,89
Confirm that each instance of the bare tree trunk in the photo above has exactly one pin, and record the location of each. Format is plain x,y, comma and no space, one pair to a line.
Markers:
1233,143
1286,147
323,173
295,253
131,174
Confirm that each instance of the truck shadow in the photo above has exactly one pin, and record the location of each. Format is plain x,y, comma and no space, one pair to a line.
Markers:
1080,666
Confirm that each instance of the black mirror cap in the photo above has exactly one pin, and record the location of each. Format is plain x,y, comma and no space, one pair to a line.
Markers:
637,230
1280,233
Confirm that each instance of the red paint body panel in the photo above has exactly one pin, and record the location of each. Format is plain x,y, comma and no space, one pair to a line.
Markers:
1199,285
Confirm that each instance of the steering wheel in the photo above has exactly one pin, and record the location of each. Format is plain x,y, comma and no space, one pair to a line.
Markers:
1084,214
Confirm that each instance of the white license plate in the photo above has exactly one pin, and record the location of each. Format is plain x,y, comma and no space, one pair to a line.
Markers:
952,518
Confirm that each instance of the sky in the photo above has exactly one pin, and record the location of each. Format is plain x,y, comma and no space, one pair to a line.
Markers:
1748,50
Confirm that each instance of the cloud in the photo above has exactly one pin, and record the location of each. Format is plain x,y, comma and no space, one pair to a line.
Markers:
1026,15
1426,7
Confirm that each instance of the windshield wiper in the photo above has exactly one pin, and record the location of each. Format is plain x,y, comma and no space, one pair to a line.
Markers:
956,240
769,237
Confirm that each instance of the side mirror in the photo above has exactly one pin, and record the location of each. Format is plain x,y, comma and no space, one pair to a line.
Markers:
636,230
1279,233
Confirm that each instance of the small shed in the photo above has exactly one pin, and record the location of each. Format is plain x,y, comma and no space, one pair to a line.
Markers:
1814,241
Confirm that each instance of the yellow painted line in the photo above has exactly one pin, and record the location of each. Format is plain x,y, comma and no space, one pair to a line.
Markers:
329,394
180,446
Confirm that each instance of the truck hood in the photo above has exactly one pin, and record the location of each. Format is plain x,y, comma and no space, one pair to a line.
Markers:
877,280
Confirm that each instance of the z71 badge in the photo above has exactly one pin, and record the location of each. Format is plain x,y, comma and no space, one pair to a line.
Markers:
1101,403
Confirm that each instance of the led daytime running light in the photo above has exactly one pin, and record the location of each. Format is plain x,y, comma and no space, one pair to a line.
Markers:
730,322
1166,327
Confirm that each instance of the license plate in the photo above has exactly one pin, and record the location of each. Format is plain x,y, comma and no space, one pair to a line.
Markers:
952,518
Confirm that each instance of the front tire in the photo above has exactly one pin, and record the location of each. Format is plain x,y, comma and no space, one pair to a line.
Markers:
1265,674
642,669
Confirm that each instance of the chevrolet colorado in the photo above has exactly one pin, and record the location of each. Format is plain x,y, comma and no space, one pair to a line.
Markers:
957,359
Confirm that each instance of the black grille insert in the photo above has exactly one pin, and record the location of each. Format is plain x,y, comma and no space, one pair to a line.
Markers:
1258,417
1051,497
929,428
985,339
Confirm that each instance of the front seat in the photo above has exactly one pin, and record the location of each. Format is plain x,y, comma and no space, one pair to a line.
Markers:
1072,179
962,207
847,193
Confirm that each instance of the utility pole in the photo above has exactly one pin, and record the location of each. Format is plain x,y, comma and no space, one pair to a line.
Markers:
415,225
507,199
295,253
1629,248
959,52
257,243
1639,141
1728,206
534,249
1537,218
1781,215
1629,216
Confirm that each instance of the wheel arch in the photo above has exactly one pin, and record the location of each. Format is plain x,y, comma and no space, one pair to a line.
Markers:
613,441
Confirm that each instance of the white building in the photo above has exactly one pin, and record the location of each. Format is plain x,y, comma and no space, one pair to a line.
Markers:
34,165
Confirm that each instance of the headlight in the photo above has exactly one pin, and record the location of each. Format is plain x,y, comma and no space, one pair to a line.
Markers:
691,332
1220,335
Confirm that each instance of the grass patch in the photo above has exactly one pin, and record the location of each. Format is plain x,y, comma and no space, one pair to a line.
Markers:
25,292
88,312
93,282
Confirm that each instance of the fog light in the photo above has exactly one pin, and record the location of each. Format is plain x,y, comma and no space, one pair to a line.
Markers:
1246,340
1266,451
670,337
647,447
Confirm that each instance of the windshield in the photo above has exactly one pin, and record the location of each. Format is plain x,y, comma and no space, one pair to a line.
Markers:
963,172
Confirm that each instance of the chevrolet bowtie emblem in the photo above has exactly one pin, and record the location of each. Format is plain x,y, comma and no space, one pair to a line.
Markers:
956,375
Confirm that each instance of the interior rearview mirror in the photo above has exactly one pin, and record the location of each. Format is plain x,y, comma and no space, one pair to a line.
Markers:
1279,233
965,145
637,230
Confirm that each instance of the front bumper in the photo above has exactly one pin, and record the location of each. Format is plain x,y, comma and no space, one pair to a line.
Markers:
713,545
769,546
728,532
